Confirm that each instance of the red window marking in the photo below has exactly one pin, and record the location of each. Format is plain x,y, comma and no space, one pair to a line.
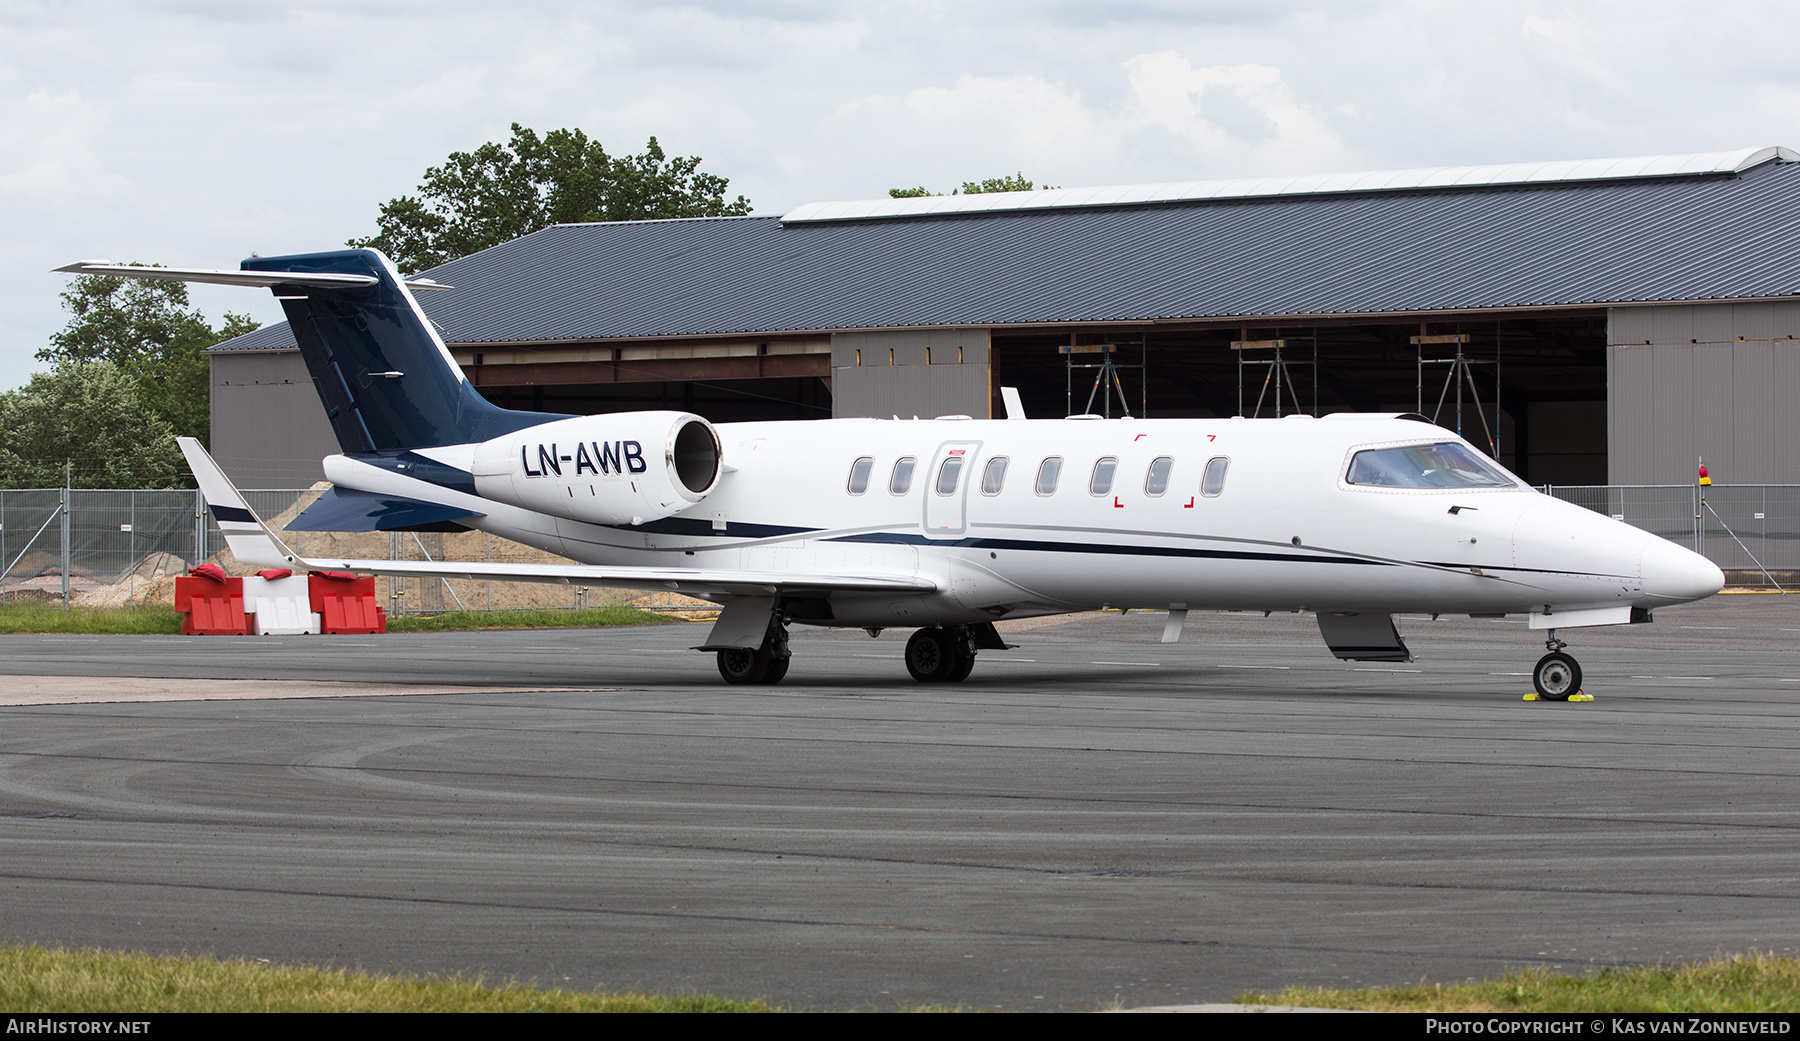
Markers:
1117,505
1190,503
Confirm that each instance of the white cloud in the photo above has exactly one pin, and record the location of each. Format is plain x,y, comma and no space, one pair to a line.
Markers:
1565,31
1235,119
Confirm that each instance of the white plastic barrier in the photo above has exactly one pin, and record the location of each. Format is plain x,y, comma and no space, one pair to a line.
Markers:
281,606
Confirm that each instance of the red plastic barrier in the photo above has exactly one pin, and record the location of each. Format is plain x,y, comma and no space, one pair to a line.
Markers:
210,607
346,604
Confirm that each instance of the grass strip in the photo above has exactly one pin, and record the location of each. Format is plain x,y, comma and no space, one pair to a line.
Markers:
161,620
27,617
38,980
1730,983
541,618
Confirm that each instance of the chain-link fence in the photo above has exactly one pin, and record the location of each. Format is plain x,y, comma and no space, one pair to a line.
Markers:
111,548
1741,527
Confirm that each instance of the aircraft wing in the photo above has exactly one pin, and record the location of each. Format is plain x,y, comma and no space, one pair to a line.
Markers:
253,542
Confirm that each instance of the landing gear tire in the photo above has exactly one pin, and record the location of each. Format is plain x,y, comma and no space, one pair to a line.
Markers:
1556,677
940,655
745,665
930,655
777,670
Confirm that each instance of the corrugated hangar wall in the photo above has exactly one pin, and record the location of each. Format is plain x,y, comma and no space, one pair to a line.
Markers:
268,429
1705,380
940,372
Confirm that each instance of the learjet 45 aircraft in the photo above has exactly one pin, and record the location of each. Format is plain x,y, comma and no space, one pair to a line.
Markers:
944,525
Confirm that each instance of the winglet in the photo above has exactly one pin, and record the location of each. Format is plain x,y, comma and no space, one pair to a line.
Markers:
250,539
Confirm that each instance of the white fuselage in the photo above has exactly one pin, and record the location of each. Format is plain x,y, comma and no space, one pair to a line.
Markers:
1285,531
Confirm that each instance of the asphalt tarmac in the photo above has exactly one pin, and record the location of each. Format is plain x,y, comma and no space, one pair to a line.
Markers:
1092,818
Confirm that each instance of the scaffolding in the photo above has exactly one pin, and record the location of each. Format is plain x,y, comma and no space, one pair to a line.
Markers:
1277,372
1107,380
1460,372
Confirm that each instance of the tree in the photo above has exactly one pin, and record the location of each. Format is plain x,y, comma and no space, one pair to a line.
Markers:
150,332
89,413
502,191
1015,183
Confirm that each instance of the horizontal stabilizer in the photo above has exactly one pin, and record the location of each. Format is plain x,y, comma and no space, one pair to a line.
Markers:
351,509
249,279
252,542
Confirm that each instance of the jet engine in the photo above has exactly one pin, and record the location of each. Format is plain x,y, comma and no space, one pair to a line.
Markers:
624,468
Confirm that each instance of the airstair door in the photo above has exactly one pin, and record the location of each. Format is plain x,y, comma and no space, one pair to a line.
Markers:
947,488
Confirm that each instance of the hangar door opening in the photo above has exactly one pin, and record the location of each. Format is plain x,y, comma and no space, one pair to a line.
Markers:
1552,377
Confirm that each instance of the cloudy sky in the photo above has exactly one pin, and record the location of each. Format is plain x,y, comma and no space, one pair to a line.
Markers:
194,133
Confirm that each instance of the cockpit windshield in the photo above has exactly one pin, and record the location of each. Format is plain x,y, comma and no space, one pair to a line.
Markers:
1448,465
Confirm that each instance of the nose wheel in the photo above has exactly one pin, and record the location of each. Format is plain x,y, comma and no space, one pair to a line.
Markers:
1557,676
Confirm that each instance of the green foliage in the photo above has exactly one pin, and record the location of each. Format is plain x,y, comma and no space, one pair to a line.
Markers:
502,191
39,980
1016,183
150,332
88,412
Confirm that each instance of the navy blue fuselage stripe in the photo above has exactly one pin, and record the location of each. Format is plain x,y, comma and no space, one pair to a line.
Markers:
1523,570
1088,547
230,513
691,526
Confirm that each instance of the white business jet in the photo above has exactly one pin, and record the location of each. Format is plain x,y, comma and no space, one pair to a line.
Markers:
942,525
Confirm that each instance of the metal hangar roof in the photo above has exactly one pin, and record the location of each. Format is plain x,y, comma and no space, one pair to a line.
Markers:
1523,236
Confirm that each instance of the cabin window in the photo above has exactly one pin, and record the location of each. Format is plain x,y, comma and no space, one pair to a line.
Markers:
1448,465
859,474
993,477
949,475
1156,481
1101,484
1048,471
1214,481
901,483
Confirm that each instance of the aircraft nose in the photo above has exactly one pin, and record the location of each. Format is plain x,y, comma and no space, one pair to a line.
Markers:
1675,574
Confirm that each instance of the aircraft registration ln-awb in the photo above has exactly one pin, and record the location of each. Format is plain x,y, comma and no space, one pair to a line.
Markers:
945,525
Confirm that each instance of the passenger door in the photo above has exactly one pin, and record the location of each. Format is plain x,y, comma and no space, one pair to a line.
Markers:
947,482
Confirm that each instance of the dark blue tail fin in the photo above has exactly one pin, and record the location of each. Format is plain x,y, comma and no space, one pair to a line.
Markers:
385,378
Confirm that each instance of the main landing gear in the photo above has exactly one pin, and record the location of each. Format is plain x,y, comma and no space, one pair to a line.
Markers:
765,664
941,654
938,654
1557,675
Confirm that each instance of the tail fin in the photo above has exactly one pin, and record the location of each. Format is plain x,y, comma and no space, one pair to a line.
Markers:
384,376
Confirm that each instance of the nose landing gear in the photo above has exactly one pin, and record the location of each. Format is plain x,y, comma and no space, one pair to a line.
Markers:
1557,676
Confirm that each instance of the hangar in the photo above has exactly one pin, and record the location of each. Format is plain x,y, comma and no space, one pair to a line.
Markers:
1601,321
